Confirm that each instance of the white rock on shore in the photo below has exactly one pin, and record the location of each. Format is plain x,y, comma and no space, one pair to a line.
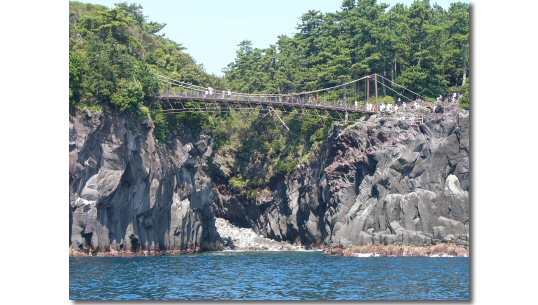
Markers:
245,239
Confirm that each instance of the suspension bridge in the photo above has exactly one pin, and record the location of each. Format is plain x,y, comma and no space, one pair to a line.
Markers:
344,102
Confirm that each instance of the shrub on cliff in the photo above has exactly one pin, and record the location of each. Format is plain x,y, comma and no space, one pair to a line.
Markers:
128,94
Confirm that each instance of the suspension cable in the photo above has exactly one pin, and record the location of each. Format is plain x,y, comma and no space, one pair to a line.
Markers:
392,82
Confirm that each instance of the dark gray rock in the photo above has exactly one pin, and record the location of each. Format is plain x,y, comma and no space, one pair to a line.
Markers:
388,180
130,193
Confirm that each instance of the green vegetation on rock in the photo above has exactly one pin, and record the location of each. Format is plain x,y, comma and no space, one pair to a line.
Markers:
114,53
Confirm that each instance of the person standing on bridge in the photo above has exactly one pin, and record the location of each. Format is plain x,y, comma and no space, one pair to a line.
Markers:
229,93
210,90
356,105
206,93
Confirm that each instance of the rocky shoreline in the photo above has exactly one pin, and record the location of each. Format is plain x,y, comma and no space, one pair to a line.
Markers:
439,250
232,237
246,239
114,253
443,250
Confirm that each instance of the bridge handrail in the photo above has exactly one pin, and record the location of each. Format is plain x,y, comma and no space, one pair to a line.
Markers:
225,94
300,98
202,89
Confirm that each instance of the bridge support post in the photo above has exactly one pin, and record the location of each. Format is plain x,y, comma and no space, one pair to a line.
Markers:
368,89
376,97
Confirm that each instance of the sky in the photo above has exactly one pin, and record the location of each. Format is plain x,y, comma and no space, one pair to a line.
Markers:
210,30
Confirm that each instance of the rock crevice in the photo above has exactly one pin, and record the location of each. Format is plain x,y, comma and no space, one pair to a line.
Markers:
383,181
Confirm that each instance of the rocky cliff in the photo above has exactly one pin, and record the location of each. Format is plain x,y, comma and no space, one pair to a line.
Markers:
393,179
127,192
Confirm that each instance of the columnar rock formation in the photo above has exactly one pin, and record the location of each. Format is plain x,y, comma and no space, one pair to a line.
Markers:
387,180
128,192
392,179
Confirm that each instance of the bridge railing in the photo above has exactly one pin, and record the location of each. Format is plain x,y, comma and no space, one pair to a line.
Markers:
288,99
188,91
339,100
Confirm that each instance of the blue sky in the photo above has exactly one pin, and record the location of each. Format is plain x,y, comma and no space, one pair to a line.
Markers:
212,29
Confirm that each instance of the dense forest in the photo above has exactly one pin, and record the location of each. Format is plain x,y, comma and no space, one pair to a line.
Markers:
114,53
423,47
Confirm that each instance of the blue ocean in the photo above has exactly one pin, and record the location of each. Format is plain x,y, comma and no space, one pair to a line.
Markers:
268,276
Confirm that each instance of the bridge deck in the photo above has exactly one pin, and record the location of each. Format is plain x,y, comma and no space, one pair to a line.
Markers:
263,101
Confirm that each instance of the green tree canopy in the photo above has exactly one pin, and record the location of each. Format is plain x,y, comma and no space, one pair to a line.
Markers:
421,46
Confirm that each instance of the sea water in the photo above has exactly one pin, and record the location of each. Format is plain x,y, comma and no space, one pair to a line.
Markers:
297,275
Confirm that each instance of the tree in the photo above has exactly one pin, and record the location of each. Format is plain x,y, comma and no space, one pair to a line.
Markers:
422,46
129,94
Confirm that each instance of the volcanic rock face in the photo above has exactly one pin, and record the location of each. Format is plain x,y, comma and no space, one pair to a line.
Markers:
393,179
129,193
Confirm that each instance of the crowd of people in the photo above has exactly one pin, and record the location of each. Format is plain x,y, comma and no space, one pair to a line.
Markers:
402,106
398,106
455,98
